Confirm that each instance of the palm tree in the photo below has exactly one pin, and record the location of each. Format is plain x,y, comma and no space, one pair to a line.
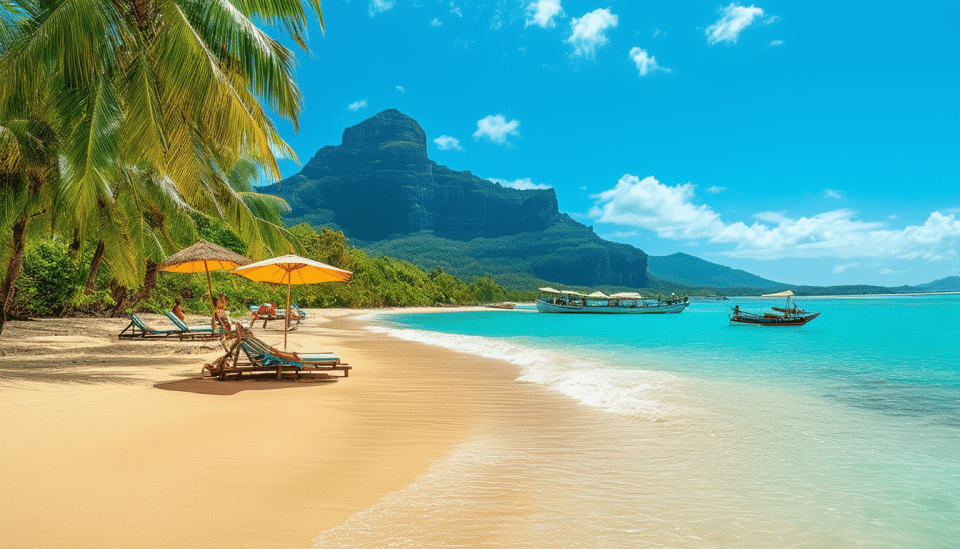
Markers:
169,87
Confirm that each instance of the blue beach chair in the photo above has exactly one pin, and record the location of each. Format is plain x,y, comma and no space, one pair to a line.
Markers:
262,357
138,329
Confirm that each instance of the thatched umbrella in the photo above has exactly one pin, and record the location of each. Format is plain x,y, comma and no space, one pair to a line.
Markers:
203,257
292,269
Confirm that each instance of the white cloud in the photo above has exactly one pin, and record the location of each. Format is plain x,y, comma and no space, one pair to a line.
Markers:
734,20
894,216
841,268
833,193
496,128
522,184
776,43
672,213
400,89
357,105
715,189
436,22
645,63
542,12
456,10
446,143
588,31
379,6
771,20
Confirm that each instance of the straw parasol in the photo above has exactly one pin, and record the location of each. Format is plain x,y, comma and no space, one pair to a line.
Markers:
203,257
292,269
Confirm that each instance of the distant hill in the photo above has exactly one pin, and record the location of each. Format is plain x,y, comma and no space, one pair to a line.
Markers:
948,284
380,188
382,191
681,268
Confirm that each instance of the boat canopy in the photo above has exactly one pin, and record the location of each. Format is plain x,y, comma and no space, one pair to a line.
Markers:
627,295
571,292
599,295
550,290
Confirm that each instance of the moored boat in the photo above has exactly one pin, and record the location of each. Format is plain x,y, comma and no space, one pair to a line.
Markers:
568,301
789,315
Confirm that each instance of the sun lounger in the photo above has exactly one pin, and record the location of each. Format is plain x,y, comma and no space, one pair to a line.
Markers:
262,357
202,328
260,312
138,329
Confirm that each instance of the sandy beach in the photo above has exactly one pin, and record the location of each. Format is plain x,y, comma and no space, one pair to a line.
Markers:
94,455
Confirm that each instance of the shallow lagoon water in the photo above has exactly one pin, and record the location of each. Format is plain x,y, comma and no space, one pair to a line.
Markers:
686,431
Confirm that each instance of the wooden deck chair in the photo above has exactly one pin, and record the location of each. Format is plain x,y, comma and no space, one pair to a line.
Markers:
262,357
138,329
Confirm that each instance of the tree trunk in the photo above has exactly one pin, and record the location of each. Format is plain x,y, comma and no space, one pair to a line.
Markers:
13,270
119,295
94,267
149,281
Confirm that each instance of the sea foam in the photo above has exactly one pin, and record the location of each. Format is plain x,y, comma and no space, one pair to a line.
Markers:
635,393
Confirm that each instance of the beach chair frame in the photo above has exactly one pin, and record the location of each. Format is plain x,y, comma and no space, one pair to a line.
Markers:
138,329
261,357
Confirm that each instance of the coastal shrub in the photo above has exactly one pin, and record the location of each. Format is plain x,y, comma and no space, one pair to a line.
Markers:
48,279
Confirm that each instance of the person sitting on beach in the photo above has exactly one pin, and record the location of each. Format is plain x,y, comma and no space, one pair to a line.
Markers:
268,310
177,311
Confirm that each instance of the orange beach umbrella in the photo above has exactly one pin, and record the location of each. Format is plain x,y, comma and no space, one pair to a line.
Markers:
292,269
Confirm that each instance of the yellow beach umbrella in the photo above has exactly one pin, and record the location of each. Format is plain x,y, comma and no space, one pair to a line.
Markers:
203,257
292,269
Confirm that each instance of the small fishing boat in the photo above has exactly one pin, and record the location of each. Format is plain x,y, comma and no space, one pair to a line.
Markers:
568,301
789,315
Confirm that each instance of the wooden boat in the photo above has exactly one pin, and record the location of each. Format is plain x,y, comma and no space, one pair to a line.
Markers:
598,303
790,315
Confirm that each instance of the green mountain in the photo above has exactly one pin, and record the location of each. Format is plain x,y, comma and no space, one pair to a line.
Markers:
688,270
380,188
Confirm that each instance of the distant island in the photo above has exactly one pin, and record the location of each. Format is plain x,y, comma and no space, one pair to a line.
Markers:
382,190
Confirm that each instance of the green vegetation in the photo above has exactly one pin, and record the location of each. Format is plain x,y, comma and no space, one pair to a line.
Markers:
122,121
52,284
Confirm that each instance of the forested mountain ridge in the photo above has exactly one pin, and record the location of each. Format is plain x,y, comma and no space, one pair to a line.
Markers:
380,188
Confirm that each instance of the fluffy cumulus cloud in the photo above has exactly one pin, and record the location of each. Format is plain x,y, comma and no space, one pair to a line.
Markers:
522,184
715,189
542,12
671,212
589,31
646,63
379,6
496,128
446,143
357,105
735,18
436,22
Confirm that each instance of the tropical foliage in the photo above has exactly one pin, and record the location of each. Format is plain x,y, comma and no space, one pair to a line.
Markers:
121,118
51,283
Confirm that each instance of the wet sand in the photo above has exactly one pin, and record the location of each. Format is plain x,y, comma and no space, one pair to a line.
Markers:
93,455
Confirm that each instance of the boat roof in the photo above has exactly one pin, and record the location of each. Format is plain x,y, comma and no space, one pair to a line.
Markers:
600,295
627,295
550,290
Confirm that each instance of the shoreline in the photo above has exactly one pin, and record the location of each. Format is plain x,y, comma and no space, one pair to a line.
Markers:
95,456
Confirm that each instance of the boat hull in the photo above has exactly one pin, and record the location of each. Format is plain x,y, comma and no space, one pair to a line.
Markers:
762,321
545,306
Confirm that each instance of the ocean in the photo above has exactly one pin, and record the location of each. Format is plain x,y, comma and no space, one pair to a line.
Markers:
684,431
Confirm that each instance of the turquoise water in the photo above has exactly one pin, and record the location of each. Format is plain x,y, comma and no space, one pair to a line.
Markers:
841,433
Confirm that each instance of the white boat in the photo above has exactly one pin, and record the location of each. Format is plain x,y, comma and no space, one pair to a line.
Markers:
567,301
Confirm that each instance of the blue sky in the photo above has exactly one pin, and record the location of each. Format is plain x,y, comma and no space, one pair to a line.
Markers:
805,142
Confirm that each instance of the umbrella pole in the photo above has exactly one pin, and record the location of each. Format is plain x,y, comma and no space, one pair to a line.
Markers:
213,310
286,319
